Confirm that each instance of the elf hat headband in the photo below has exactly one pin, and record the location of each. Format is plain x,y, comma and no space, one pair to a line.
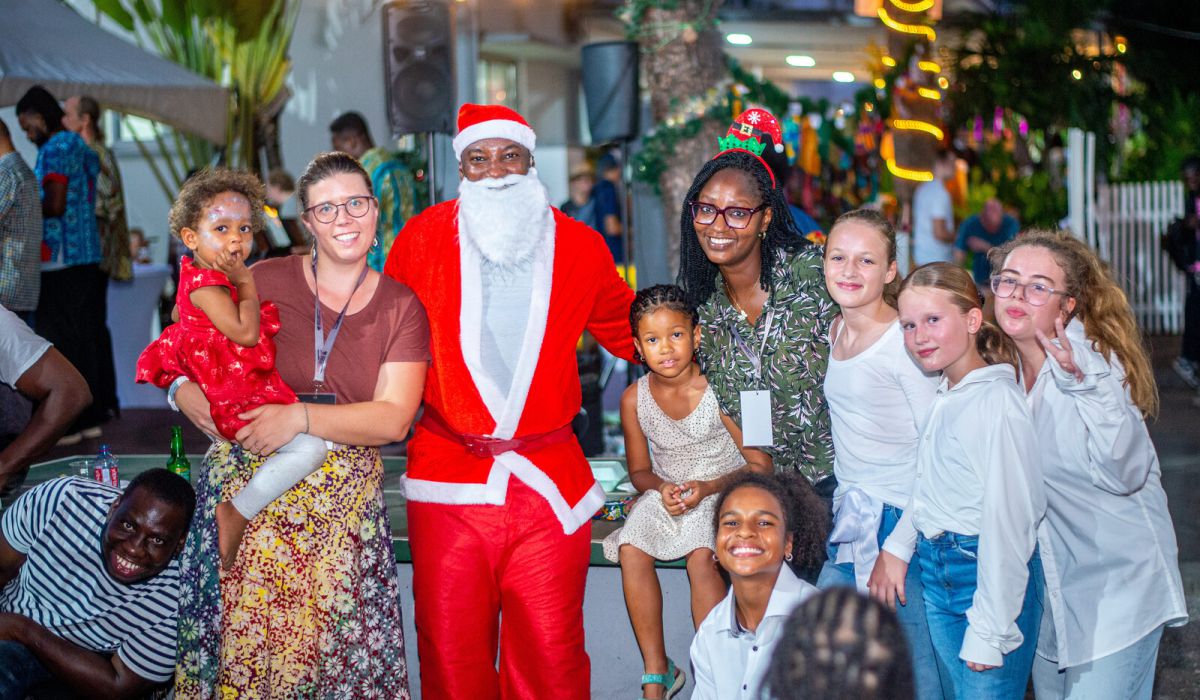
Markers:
750,132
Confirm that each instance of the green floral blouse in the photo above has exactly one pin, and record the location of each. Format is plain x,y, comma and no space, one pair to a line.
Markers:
796,353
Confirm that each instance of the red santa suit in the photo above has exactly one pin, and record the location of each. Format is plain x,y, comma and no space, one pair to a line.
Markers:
494,529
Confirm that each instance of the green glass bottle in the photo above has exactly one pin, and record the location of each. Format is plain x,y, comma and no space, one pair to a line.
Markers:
178,462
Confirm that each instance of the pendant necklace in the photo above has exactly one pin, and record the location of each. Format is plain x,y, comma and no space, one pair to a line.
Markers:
729,293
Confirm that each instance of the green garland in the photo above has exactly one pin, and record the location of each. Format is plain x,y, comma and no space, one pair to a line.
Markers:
651,161
632,13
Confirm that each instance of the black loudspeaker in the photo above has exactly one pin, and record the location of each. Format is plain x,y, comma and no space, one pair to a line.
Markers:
418,64
610,88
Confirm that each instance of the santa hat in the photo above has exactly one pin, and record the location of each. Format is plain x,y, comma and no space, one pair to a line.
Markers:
479,122
753,131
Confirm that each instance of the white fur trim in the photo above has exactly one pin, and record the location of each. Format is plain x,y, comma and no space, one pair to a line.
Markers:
505,410
492,493
470,328
571,517
494,129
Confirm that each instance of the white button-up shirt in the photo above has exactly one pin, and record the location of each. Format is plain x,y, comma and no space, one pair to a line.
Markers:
729,662
979,473
1108,545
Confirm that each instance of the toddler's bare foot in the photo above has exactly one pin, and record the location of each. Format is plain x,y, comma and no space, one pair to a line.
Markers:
231,525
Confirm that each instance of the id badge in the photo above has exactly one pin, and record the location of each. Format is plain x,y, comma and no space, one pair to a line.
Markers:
756,419
325,397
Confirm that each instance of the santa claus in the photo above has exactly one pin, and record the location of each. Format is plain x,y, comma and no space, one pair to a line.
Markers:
499,493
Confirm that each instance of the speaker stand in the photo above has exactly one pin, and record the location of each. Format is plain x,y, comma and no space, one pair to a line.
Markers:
430,170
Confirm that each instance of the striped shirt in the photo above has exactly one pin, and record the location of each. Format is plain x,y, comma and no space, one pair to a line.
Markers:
64,586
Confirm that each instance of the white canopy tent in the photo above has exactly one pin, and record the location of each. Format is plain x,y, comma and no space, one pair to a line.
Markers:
43,42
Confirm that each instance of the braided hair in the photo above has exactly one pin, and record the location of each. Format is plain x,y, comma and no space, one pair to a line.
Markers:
840,644
660,296
805,516
697,274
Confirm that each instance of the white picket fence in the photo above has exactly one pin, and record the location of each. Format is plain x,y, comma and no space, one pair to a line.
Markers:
1124,227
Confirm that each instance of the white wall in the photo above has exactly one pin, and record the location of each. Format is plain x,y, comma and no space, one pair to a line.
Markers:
337,66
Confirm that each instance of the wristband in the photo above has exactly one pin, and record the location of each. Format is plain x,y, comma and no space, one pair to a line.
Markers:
171,392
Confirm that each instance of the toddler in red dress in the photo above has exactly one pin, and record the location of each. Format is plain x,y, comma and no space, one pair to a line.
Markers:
223,340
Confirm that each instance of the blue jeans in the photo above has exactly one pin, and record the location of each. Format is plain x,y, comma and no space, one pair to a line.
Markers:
949,567
19,670
1124,675
912,615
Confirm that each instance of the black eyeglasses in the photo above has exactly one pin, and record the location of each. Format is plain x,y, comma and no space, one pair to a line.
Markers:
704,214
326,212
1036,293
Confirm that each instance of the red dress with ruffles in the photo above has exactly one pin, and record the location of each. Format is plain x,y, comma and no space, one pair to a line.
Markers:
234,378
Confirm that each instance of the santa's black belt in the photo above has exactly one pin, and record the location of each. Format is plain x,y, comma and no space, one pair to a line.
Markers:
486,446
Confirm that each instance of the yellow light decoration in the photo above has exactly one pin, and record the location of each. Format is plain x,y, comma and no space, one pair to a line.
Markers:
880,83
892,24
888,61
917,125
905,173
943,83
929,66
929,93
919,6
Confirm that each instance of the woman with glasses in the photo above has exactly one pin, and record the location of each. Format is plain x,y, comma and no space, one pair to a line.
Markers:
764,310
1107,543
311,608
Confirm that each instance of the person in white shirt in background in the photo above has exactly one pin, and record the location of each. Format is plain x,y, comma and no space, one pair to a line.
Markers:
762,521
979,495
878,401
1107,543
933,215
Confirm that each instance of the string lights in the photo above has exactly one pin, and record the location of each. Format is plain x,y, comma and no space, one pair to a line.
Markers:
919,6
929,93
918,125
892,24
916,175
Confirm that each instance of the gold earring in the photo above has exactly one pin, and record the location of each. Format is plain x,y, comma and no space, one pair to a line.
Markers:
762,235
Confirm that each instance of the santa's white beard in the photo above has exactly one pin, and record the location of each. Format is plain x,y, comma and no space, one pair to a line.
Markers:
505,219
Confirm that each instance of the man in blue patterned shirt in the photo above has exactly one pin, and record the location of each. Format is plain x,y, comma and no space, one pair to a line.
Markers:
20,231
72,308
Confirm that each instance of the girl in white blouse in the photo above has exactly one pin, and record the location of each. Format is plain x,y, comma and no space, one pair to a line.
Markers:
978,497
766,524
1107,543
878,400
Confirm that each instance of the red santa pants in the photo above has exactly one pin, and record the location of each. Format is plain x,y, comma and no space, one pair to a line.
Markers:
472,563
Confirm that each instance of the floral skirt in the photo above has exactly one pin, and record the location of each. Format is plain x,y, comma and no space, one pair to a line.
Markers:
311,608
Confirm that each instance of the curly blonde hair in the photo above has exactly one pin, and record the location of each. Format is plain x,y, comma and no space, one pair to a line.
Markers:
1100,304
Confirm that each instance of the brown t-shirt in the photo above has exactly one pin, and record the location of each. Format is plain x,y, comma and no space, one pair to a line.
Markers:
391,328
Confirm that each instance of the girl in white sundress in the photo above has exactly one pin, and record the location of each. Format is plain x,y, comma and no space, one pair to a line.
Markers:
681,451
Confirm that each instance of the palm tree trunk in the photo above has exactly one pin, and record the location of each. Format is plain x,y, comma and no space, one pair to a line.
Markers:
680,63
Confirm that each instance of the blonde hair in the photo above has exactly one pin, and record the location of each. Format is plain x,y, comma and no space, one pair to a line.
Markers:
1100,304
876,221
990,342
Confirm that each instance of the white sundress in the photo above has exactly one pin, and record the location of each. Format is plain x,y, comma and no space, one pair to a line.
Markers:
697,447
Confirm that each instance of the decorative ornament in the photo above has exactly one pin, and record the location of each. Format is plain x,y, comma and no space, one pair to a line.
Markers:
750,131
689,35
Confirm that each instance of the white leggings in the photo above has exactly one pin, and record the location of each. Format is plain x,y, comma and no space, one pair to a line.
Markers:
288,466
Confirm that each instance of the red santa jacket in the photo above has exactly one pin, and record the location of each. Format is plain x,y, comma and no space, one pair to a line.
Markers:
575,286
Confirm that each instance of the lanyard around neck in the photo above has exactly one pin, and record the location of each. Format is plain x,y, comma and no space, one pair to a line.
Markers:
323,345
754,357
